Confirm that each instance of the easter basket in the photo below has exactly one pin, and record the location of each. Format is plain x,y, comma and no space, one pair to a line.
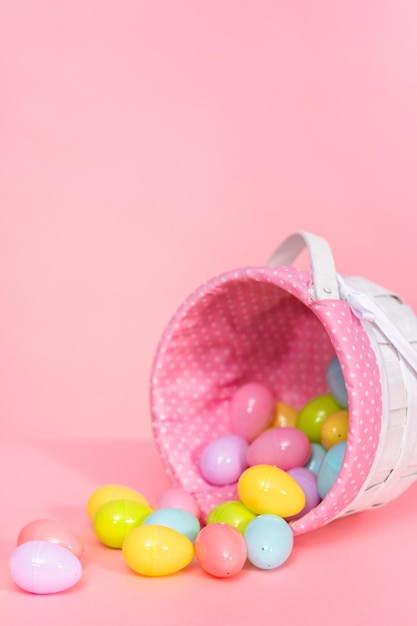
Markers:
281,326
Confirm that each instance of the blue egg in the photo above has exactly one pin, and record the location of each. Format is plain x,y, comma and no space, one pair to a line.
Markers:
336,382
330,468
317,455
180,520
269,541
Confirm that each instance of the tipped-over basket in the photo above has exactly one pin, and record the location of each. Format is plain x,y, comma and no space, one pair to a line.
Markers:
281,326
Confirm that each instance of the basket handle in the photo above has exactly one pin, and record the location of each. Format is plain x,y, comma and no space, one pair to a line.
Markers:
323,269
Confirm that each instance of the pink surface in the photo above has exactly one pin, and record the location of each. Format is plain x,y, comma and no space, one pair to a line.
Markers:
356,570
146,147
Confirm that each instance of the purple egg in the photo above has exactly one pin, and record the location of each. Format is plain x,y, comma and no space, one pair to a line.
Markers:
223,460
308,483
284,446
42,567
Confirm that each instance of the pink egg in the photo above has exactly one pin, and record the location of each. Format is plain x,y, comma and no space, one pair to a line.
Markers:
285,447
178,498
220,550
223,460
252,410
308,483
54,532
42,567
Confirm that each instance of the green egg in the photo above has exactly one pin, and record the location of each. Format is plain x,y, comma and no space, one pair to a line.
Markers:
115,519
313,414
232,512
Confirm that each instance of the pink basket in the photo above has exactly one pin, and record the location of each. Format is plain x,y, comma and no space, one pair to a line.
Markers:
281,326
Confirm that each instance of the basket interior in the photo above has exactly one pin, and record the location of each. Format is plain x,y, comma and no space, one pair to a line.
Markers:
252,325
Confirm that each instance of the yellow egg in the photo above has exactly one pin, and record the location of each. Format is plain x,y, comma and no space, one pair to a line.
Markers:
268,489
107,493
285,415
334,429
153,550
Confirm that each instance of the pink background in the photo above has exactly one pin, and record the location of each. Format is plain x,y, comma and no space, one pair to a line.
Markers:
146,147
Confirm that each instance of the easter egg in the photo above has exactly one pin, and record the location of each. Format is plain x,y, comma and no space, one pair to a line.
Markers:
284,447
232,512
269,540
311,416
178,498
54,532
153,550
330,468
268,489
316,456
336,382
223,460
251,410
115,519
183,521
308,483
107,493
43,567
284,415
334,428
220,550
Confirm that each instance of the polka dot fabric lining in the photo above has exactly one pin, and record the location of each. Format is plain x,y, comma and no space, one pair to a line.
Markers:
260,324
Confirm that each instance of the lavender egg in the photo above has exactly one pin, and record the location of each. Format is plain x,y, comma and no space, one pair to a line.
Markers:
42,567
308,483
223,460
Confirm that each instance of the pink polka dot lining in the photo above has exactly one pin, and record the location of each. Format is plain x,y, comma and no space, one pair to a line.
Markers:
260,324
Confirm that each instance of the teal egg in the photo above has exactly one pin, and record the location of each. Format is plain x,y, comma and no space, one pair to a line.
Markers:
336,382
180,520
330,468
269,541
317,454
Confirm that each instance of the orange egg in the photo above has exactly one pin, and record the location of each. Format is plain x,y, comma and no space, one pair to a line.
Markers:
284,415
334,429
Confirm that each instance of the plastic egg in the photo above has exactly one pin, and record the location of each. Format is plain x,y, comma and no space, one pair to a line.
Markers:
330,468
268,489
232,512
183,521
54,532
311,416
115,519
284,447
220,550
284,415
252,410
308,483
334,429
317,455
223,459
269,540
336,382
178,498
153,550
43,567
107,493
